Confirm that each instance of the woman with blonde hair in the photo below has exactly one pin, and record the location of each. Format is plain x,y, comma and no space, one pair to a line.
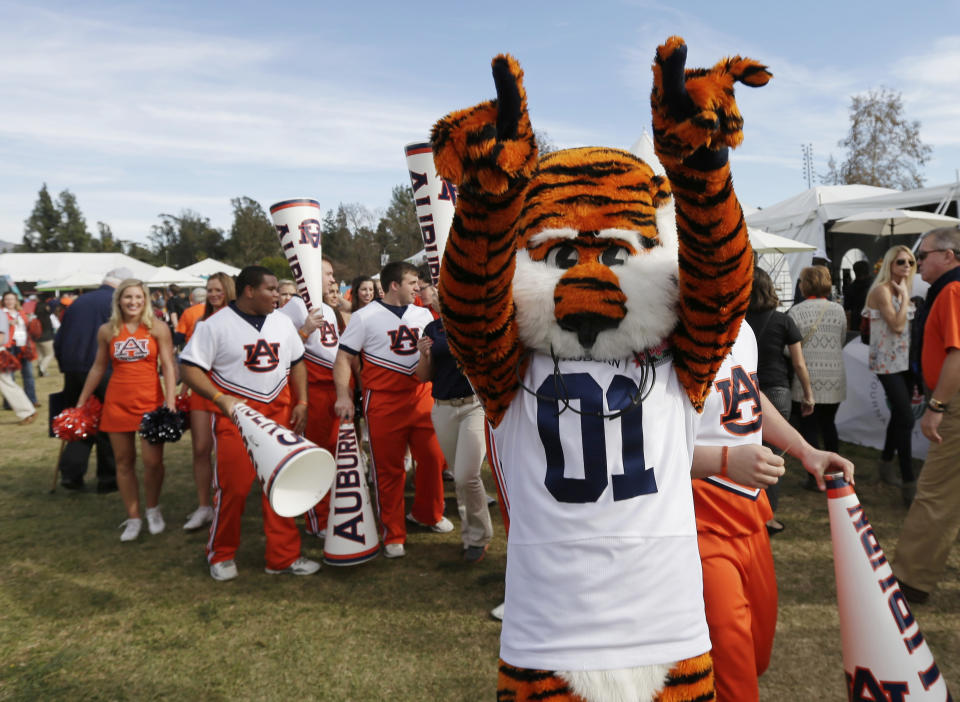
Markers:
889,309
134,341
823,329
221,291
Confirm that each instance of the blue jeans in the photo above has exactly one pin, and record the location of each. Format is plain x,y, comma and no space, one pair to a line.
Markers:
29,386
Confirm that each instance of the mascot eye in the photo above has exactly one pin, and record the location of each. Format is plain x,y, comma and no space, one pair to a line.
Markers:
614,256
562,256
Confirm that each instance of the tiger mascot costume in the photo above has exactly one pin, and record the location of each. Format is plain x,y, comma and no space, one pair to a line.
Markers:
592,351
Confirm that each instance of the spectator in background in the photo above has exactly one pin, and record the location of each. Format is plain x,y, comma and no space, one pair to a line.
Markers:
48,327
190,317
176,304
775,331
855,296
12,393
286,288
933,522
819,259
20,344
823,325
362,292
889,308
75,347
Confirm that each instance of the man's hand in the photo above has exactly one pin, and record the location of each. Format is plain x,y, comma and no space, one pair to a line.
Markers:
817,462
930,425
226,403
754,465
298,418
313,321
343,408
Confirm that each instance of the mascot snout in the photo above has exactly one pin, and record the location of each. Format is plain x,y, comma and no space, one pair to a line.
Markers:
588,300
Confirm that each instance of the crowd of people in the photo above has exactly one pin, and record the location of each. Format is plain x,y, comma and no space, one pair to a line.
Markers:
378,354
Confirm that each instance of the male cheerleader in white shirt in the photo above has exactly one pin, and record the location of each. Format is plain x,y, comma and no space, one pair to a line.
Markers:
396,405
249,350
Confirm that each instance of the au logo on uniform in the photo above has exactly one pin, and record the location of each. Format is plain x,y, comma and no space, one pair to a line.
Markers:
261,357
403,340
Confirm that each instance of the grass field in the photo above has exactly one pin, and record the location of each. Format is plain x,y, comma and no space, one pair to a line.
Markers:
85,617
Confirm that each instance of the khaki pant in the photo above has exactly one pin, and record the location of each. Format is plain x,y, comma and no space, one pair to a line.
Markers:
460,433
15,396
44,355
933,522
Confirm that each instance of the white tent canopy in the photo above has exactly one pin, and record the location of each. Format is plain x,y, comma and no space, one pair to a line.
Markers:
767,243
209,266
49,267
805,216
165,275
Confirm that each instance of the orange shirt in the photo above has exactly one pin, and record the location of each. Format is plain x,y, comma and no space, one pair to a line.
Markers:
188,320
941,333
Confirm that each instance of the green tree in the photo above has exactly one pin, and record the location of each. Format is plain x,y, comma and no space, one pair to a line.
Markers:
40,229
142,253
181,240
252,235
106,243
398,234
883,147
72,234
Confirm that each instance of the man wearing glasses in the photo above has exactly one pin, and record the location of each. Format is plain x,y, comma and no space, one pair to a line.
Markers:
933,522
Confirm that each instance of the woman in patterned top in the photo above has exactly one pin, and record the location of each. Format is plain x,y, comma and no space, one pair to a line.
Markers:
889,308
823,325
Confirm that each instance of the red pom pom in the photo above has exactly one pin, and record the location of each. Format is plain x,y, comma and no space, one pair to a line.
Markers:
183,401
78,423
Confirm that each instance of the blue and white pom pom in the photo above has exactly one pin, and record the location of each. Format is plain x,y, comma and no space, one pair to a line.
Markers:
163,425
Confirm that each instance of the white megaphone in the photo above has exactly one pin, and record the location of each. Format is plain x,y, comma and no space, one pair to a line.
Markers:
885,656
436,200
351,529
298,224
294,473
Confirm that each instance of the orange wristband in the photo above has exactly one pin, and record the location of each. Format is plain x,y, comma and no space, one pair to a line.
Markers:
215,396
723,461
302,402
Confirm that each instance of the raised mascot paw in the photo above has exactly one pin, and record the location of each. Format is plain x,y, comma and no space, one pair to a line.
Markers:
491,146
694,110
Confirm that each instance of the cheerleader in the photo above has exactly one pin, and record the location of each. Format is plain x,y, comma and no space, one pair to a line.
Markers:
133,341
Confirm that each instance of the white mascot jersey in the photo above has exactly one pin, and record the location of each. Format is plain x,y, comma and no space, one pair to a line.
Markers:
603,569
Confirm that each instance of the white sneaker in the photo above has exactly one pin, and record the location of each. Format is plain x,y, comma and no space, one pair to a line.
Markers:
301,566
155,521
201,516
444,526
394,551
131,529
224,570
497,612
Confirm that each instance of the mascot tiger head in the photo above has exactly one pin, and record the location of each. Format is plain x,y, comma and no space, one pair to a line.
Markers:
596,266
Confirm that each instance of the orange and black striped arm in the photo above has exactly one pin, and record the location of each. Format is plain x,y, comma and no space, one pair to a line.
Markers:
490,152
695,122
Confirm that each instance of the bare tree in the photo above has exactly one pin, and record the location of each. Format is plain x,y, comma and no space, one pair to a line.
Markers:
883,147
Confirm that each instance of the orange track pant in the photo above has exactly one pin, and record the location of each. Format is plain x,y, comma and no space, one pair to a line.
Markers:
392,427
233,476
740,594
322,429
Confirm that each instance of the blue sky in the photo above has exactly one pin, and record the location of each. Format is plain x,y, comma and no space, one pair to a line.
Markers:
146,108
